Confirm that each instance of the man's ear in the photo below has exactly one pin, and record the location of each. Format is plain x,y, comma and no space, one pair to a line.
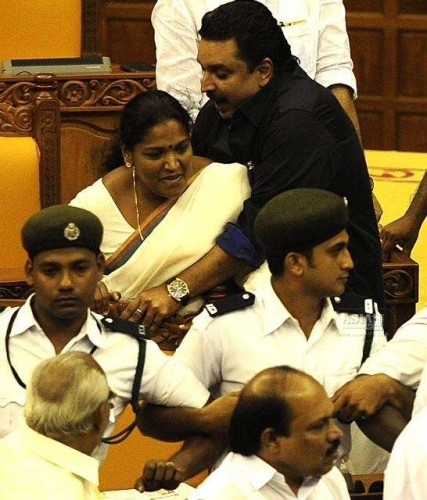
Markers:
265,70
100,262
29,272
294,262
269,439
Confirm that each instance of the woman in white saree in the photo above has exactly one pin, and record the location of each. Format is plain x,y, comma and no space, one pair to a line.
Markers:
159,214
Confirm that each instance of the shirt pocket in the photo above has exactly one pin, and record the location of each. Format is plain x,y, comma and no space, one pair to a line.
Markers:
12,403
302,36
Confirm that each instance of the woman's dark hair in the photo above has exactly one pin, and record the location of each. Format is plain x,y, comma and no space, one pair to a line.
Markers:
139,116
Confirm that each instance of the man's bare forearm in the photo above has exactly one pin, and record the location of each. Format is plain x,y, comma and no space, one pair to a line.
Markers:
384,427
177,424
169,424
199,453
344,96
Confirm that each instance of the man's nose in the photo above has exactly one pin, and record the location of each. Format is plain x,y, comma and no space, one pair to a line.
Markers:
66,281
335,433
206,83
347,260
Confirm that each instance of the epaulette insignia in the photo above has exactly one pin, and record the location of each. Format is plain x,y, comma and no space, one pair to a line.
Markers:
353,303
229,304
122,326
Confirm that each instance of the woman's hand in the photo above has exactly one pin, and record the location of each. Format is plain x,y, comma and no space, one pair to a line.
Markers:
151,307
104,299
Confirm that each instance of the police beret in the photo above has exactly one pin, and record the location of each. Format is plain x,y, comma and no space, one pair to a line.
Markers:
300,219
61,226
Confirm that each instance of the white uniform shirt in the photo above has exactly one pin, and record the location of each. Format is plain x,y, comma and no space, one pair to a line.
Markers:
250,478
164,382
405,355
226,352
315,30
421,396
35,467
405,477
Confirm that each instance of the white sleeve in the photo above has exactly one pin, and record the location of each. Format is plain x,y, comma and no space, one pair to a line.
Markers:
334,64
176,39
405,355
201,352
165,382
421,397
405,476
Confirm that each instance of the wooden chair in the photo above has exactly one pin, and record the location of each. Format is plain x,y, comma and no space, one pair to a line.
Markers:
368,486
29,114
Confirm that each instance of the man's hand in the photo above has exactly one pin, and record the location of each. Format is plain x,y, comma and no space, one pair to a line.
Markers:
159,474
364,396
151,307
400,232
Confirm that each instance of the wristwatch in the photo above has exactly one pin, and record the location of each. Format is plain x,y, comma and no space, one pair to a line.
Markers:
178,290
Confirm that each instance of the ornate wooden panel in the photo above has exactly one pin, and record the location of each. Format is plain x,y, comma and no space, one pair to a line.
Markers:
29,107
90,108
388,41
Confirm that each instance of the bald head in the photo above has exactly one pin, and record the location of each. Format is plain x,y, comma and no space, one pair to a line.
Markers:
266,401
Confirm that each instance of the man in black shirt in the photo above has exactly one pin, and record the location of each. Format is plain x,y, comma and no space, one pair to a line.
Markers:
265,112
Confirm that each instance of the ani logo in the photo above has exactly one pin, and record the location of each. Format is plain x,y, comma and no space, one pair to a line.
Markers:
71,232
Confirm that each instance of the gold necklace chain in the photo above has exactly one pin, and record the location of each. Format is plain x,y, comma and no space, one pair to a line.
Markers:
136,204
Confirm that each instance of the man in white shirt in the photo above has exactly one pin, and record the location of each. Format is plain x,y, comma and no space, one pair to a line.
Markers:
66,413
299,316
405,476
315,29
283,442
64,267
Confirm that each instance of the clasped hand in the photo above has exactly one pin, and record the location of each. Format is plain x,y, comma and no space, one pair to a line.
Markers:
150,307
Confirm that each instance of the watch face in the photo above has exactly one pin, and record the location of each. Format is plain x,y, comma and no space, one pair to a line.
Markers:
178,288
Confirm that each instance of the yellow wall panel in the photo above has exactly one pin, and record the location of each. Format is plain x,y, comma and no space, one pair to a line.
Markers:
40,28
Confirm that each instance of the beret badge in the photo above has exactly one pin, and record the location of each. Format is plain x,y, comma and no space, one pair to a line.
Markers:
71,232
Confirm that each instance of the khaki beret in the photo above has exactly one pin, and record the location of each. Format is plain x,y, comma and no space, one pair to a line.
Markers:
299,219
61,226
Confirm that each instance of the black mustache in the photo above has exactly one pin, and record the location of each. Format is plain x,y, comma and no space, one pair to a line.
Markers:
333,448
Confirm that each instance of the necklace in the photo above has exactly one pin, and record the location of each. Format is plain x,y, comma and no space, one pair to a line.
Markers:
135,197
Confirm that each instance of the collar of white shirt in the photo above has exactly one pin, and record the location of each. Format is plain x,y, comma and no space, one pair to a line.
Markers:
275,313
91,328
59,454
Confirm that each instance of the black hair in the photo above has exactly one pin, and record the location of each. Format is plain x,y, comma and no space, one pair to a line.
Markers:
255,30
256,411
139,116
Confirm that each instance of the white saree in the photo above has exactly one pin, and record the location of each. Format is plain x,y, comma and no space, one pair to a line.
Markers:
186,233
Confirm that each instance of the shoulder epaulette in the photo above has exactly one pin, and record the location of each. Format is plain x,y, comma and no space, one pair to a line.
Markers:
353,303
231,303
122,326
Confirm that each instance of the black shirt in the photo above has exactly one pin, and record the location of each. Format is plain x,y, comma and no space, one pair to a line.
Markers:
294,133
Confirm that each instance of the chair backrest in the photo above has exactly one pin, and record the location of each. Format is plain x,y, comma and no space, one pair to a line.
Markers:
29,166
